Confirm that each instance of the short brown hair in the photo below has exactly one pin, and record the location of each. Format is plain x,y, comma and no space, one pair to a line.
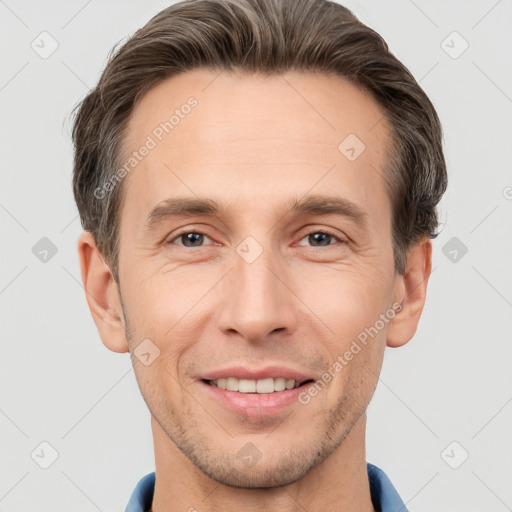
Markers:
260,36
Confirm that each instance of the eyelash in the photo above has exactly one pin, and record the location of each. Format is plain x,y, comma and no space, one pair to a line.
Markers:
199,232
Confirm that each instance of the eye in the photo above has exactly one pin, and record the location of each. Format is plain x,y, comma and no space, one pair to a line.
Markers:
321,239
190,239
193,239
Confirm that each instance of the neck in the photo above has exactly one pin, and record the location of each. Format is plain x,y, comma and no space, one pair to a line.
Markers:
339,483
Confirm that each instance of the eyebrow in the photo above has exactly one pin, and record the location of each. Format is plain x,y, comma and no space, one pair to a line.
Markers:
309,205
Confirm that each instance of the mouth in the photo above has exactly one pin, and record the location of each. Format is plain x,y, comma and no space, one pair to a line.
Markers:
262,386
256,392
255,399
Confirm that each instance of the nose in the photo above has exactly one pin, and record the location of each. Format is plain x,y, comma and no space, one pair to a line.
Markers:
257,299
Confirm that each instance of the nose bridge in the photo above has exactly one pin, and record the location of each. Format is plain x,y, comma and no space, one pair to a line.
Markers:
255,299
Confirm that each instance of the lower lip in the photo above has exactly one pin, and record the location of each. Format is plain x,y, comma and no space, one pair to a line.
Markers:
255,404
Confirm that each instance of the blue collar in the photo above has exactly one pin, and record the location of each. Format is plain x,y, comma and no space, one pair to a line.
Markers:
384,496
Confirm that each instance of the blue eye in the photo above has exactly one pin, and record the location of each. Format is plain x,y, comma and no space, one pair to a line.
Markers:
320,239
190,238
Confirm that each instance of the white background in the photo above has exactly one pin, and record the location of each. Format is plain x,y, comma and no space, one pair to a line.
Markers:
59,384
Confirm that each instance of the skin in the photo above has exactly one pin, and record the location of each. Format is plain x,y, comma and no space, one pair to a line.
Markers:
253,144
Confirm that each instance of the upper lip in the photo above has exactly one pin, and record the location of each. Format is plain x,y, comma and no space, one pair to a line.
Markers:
243,372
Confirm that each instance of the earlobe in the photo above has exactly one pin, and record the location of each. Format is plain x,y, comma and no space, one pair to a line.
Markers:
102,294
411,291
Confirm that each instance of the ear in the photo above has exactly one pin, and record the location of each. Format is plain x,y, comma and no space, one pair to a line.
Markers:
102,294
411,292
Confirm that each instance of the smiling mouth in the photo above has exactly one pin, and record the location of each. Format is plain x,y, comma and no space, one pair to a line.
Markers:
262,386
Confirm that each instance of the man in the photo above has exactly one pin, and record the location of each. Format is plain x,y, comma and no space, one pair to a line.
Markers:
257,181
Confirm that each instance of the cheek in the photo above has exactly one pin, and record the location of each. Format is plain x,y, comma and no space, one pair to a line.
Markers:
160,301
346,300
351,306
356,359
168,308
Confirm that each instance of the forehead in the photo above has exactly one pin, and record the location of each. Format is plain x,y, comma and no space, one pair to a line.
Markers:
250,134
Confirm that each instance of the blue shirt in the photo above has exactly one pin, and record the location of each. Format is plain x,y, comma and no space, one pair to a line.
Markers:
383,494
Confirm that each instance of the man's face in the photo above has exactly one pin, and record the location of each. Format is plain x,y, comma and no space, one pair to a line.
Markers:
261,286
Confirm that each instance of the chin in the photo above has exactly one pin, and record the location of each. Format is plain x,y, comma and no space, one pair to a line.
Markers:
276,471
263,477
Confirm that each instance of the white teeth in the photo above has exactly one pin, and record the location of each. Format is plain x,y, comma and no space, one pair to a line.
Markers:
261,386
232,384
279,384
265,386
246,386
